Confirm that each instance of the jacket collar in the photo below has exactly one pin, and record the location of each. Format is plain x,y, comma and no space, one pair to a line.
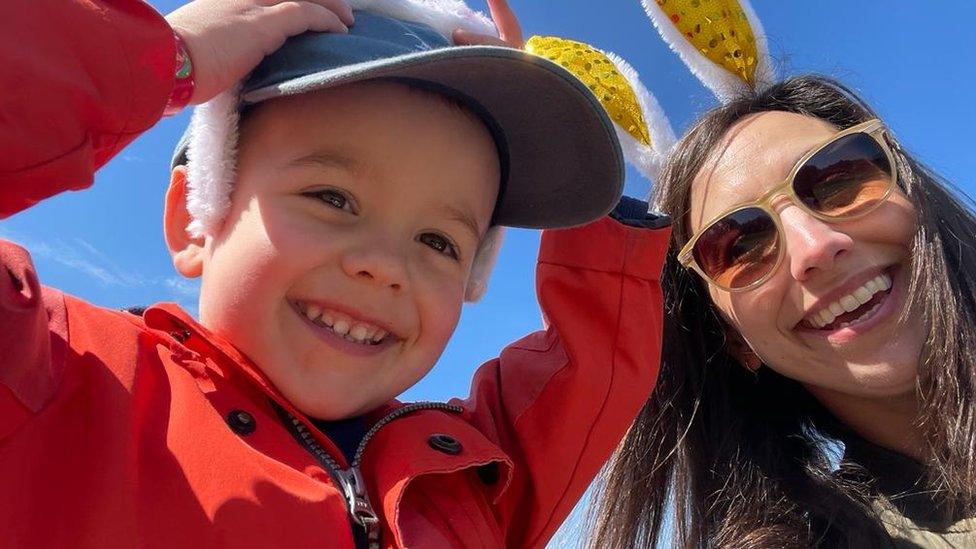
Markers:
195,338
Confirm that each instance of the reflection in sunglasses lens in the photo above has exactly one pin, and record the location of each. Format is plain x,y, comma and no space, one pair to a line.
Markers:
738,249
846,178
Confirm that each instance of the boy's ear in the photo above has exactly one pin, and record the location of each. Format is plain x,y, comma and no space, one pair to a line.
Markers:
187,251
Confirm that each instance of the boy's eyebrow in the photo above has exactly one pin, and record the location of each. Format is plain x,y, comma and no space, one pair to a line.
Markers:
465,218
327,159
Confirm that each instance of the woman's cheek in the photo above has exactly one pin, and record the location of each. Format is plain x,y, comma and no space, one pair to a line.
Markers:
755,315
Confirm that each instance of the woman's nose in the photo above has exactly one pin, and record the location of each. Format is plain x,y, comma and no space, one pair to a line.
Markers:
813,244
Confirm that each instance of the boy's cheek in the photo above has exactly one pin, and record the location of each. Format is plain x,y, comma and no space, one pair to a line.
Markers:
243,292
441,323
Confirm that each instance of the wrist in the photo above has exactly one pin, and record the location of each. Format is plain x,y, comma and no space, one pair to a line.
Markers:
184,82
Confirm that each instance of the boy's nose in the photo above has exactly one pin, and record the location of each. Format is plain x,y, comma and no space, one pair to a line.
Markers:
380,264
814,245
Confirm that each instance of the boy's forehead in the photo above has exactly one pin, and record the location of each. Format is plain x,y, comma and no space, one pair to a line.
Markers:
334,127
293,126
348,106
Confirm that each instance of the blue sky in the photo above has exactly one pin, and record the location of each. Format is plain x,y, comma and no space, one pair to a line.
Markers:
915,62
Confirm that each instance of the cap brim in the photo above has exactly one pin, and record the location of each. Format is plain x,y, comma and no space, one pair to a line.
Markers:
565,163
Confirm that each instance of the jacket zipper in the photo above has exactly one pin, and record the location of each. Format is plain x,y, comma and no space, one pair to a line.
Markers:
351,480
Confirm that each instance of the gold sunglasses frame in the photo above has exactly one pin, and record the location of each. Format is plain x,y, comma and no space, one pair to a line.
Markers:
874,128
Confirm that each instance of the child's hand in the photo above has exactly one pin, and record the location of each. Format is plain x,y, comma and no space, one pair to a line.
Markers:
228,38
509,29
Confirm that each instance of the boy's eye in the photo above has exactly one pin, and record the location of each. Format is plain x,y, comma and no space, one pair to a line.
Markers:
334,198
439,244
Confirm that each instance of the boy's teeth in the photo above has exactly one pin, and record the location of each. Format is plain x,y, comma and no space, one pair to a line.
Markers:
850,302
358,332
349,329
362,333
340,327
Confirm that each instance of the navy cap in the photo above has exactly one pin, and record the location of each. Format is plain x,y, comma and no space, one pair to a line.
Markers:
562,164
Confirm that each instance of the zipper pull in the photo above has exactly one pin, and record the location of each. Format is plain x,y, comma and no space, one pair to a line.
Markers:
360,509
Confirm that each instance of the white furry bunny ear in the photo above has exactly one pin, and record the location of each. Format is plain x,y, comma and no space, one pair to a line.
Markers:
721,41
642,127
443,15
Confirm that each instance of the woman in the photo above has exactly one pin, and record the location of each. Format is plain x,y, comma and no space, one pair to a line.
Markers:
817,378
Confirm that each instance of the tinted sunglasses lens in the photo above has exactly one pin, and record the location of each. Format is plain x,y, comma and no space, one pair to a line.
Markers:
848,177
738,249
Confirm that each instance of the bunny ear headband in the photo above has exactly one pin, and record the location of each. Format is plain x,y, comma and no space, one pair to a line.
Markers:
721,41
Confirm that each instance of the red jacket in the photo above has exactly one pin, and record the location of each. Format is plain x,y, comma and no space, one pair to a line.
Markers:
121,431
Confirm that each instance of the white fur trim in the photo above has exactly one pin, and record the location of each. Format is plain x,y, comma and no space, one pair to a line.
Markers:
647,160
211,162
725,85
484,263
443,15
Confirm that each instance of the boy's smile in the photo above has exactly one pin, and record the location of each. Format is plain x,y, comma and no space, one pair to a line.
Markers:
349,328
346,333
355,218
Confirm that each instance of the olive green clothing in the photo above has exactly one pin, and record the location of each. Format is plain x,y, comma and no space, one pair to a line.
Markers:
912,515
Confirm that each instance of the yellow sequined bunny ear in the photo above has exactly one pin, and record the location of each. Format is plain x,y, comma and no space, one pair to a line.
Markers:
721,41
644,131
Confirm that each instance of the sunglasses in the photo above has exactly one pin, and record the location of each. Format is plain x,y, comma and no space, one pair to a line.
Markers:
843,178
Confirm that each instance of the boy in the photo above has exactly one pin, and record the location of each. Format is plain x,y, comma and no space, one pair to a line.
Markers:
369,168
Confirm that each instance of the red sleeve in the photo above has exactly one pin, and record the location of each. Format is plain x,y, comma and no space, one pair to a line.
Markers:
81,79
33,339
559,400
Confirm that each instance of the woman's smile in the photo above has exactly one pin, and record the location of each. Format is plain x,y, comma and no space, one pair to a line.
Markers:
856,308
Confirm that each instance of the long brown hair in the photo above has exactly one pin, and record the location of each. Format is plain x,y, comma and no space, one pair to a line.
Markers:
724,458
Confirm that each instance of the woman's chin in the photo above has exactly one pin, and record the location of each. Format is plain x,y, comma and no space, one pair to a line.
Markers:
873,380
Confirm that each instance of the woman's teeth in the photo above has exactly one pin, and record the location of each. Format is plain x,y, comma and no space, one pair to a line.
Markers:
850,303
353,330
